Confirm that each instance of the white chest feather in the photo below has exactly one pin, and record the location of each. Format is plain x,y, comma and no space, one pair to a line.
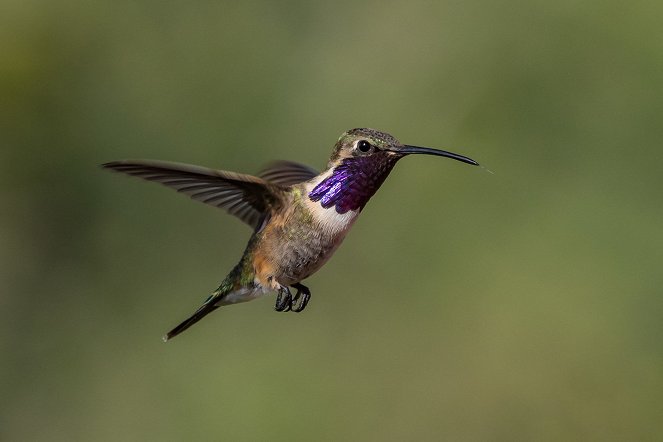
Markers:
332,221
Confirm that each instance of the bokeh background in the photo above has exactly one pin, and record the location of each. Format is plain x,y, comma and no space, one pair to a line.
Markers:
521,305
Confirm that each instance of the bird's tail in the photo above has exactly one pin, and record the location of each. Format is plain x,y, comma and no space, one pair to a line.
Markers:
218,298
212,303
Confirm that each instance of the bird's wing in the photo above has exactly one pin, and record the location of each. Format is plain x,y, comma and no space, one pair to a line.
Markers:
247,197
287,173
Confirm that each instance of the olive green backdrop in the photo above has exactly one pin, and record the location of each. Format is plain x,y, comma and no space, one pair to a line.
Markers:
464,306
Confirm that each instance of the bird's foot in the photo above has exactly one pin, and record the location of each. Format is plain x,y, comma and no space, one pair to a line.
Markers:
283,300
306,295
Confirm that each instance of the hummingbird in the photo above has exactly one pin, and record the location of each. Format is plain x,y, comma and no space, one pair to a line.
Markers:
299,216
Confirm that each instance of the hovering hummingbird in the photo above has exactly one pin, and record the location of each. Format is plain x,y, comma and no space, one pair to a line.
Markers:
299,216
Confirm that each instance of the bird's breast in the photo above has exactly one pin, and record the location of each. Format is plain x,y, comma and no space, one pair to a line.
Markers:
296,243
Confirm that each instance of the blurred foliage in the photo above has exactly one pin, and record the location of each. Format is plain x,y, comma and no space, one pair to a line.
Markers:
520,305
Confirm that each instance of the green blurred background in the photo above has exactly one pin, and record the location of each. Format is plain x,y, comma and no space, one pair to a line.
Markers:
465,306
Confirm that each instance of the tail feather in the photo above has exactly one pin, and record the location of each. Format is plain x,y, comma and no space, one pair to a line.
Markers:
206,308
223,295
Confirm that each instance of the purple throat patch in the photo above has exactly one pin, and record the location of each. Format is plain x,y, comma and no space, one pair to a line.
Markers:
350,185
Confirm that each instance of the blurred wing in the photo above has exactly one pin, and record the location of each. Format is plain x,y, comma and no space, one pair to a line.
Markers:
247,197
287,173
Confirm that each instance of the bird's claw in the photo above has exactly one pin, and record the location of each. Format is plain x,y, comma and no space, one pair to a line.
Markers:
305,298
285,302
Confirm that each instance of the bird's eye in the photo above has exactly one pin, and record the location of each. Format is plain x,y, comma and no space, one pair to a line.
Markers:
364,146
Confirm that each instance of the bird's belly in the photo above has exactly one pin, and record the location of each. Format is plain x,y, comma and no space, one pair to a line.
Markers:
299,261
297,245
300,258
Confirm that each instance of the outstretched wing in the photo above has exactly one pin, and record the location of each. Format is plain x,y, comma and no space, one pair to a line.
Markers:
287,173
247,197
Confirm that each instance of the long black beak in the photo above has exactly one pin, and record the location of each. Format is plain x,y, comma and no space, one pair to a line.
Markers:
407,150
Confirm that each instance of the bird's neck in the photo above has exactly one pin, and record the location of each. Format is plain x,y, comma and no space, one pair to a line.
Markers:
351,183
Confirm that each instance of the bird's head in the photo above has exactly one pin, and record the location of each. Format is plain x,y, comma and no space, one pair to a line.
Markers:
361,160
